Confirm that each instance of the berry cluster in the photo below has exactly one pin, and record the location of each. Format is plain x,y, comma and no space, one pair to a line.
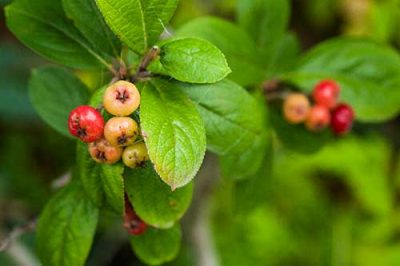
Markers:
325,111
117,138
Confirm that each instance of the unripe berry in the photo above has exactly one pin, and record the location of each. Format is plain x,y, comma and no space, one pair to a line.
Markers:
121,131
132,222
295,108
102,152
342,119
318,118
121,99
135,155
86,123
326,93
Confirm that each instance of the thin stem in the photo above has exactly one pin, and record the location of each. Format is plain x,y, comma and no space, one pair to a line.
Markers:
147,59
16,233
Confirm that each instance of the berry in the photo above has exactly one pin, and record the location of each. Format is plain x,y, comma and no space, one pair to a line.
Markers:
326,93
121,98
342,119
121,131
296,108
318,118
86,123
132,222
135,155
102,152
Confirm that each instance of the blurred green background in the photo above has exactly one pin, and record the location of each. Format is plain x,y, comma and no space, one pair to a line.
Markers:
340,206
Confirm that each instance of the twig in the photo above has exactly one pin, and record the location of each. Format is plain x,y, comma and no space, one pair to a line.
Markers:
272,85
16,233
22,255
62,181
147,59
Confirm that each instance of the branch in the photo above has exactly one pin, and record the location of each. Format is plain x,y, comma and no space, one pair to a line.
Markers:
16,233
147,59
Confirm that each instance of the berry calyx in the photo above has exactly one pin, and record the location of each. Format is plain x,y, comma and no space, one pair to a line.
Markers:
132,222
295,108
135,155
326,93
102,152
121,99
342,119
121,131
86,123
318,118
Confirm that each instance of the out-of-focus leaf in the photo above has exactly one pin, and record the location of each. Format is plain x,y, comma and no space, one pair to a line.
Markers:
55,92
157,246
266,21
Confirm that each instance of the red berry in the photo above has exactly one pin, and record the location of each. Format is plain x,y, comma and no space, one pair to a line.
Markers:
295,108
342,119
326,93
86,123
132,223
318,118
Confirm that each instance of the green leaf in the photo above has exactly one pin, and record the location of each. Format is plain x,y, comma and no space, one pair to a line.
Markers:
113,185
157,246
173,131
253,192
88,19
235,124
242,164
89,173
153,200
103,183
193,60
44,28
235,44
55,92
285,55
264,20
368,73
138,23
232,117
245,160
66,228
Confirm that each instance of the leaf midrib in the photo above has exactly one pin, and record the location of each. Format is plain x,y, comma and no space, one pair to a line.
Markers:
143,24
170,123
